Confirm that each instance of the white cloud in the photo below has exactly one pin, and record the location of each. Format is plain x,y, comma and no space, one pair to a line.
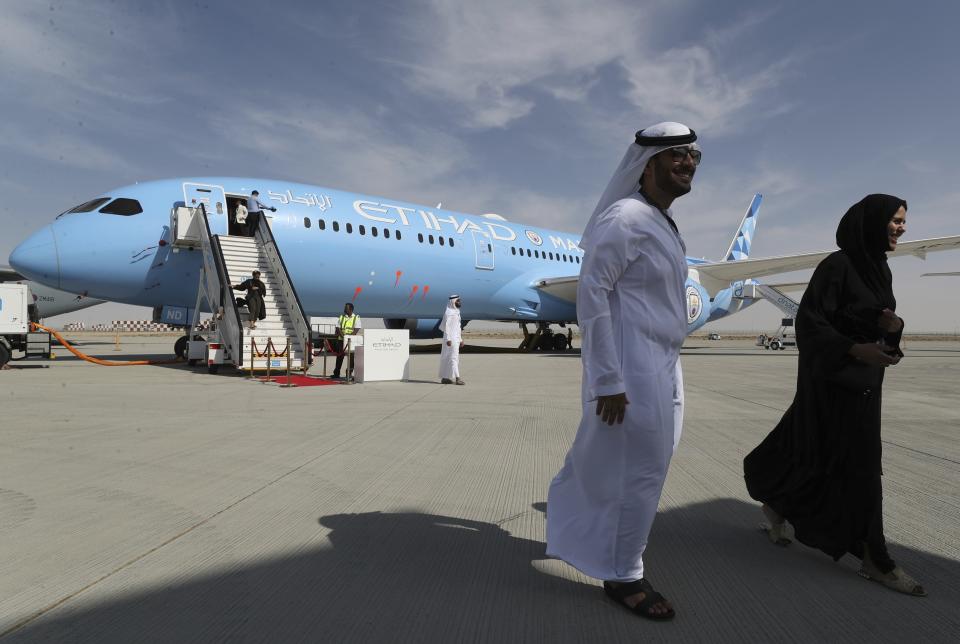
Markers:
69,149
487,58
686,84
344,148
79,45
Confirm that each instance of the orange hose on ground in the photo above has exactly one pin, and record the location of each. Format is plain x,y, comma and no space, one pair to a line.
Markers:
105,363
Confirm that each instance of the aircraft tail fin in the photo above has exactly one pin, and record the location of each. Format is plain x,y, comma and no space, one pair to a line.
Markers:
740,244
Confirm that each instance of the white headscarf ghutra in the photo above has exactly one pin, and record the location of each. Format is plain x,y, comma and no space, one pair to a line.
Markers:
451,313
626,179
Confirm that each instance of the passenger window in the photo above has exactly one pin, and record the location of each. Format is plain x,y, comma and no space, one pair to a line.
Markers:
528,252
321,224
122,206
336,226
386,232
430,238
373,230
536,254
440,239
398,235
578,260
349,228
363,231
306,222
451,242
513,250
420,237
489,248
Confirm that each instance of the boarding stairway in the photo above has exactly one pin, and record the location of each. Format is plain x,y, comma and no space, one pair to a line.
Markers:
281,340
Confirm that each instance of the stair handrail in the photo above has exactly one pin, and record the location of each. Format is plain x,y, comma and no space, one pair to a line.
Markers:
298,315
230,321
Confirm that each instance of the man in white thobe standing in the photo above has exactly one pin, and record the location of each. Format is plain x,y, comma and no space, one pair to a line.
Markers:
631,310
452,343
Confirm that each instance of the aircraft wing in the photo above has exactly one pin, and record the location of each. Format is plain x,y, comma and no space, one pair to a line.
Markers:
564,288
718,275
7,274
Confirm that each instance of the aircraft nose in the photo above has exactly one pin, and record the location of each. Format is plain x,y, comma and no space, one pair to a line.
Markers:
36,258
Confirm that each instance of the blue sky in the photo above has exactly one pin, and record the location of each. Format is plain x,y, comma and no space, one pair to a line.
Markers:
522,109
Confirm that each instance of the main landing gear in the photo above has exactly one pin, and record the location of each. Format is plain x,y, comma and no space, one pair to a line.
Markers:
545,339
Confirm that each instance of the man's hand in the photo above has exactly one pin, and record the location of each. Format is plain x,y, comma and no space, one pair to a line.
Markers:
612,408
874,354
449,343
889,322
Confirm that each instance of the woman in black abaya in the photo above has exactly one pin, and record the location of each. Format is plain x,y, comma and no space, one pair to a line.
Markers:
819,469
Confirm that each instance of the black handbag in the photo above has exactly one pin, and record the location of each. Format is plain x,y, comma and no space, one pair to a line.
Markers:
857,376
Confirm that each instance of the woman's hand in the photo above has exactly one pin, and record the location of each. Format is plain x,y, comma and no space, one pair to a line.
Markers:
874,354
889,322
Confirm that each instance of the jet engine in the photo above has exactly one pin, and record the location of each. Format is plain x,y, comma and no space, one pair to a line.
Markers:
419,329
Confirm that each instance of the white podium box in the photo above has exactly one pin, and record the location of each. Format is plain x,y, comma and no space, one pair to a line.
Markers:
382,354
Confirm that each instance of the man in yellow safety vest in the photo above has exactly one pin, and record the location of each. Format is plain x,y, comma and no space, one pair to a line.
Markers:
347,324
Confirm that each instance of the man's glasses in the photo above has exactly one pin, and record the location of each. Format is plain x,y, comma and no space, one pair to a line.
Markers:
679,154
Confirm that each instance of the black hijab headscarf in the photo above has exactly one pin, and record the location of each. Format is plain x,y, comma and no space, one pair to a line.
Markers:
862,236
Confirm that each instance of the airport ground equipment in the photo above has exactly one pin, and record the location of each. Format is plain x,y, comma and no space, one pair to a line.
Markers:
17,313
784,337
282,339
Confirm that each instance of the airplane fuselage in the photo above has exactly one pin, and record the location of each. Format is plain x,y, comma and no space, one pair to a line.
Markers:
392,259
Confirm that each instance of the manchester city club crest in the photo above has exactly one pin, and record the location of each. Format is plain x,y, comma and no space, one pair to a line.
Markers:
534,237
694,304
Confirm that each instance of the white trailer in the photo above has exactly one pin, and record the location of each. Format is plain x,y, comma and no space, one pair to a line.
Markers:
16,312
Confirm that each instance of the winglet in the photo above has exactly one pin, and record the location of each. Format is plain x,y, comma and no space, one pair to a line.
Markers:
740,244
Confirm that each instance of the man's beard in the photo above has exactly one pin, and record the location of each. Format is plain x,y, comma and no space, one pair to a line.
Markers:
666,183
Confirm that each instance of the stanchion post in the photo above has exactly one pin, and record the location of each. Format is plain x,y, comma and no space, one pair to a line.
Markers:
116,339
269,351
349,358
288,362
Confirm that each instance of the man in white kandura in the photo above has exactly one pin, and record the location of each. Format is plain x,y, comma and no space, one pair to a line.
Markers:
632,314
452,343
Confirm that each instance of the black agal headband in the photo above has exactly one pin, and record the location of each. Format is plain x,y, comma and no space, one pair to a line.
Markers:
678,139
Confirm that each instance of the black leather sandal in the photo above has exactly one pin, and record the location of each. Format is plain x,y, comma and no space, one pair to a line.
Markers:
619,593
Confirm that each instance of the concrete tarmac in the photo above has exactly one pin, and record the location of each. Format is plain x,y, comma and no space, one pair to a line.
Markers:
163,504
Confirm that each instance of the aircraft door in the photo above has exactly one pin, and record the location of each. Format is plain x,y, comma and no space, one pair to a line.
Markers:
214,201
483,246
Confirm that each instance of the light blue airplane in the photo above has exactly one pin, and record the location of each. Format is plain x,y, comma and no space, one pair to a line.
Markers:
395,260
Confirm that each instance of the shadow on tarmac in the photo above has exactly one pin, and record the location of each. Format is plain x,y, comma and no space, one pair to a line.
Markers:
393,577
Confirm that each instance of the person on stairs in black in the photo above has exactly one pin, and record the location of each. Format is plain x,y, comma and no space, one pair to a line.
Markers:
256,290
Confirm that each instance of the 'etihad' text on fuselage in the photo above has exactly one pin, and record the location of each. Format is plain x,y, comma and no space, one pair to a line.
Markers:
391,214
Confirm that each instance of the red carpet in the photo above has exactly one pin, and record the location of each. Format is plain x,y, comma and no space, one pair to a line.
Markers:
301,381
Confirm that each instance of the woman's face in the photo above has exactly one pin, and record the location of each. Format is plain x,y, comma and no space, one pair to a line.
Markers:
896,227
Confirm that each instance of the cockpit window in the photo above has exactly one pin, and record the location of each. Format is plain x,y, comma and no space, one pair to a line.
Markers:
122,206
93,204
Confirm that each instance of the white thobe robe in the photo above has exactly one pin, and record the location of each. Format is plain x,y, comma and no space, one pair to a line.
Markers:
450,356
632,314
